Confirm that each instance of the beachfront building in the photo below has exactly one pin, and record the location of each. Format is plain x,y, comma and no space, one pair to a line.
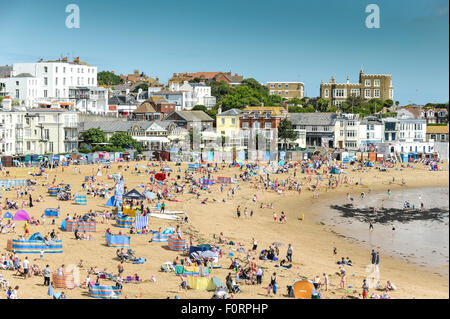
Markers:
319,128
368,87
228,126
437,133
346,132
193,94
287,90
190,119
122,105
371,133
72,84
37,131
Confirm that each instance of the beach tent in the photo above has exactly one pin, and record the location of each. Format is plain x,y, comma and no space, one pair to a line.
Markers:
21,215
204,283
303,289
81,226
162,236
80,200
8,215
117,240
110,202
51,212
175,243
334,171
65,281
369,164
104,292
133,194
140,222
124,221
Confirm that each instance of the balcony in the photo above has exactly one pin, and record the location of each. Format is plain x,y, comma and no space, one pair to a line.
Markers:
71,138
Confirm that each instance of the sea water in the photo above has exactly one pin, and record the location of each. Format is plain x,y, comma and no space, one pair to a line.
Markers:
421,241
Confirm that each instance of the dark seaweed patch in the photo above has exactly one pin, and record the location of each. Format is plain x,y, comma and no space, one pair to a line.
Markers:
391,215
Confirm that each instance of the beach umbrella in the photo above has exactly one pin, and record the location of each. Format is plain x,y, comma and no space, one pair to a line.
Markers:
277,244
160,176
50,290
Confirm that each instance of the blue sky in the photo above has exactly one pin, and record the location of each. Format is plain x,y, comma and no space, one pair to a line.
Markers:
292,40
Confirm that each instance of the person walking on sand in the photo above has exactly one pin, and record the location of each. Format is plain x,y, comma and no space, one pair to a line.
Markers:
326,281
374,257
377,262
238,212
46,272
365,289
289,253
343,282
370,225
120,268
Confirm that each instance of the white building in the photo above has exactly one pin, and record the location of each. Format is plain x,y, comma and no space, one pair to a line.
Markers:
371,132
37,131
191,94
73,84
346,132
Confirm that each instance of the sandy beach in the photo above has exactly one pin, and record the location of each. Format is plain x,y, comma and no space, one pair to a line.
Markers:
312,241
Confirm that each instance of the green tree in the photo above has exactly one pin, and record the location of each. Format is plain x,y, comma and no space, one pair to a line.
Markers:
388,103
123,140
309,109
143,86
322,105
397,103
295,101
93,136
199,107
286,132
108,78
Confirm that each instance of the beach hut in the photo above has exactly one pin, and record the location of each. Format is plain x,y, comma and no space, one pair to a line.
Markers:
162,236
117,240
21,215
34,245
303,289
53,191
124,221
176,244
51,212
80,200
65,281
104,292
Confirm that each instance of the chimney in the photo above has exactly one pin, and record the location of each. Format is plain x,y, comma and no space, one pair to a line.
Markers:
348,80
76,60
174,74
136,71
157,79
332,79
7,103
219,109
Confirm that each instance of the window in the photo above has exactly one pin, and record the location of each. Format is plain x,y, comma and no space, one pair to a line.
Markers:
442,137
351,123
354,92
279,92
50,147
367,83
17,93
376,82
391,94
279,86
326,128
233,121
222,121
267,125
56,69
367,93
314,128
45,81
351,133
370,127
341,133
28,146
45,69
245,125
326,93
45,93
272,85
56,81
376,93
256,125
286,92
302,127
339,92
17,82
64,69
286,86
64,81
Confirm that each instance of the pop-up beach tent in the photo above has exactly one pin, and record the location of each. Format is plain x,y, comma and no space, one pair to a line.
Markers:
8,215
21,215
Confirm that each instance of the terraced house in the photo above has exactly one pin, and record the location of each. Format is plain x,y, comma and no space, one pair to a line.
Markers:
370,86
